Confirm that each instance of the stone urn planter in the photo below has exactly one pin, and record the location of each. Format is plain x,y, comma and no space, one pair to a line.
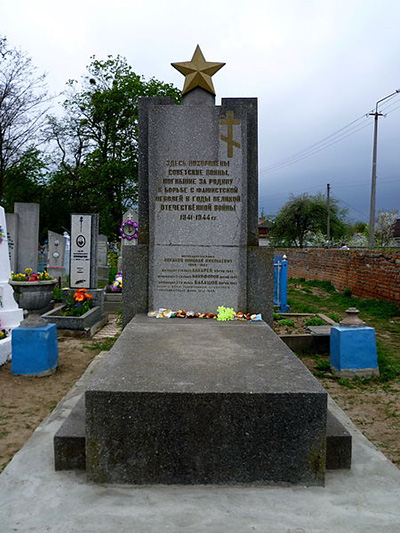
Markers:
34,296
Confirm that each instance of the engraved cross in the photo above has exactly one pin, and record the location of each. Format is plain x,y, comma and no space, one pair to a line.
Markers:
229,122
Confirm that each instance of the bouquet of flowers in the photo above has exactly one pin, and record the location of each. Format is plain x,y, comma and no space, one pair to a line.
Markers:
29,275
3,333
79,303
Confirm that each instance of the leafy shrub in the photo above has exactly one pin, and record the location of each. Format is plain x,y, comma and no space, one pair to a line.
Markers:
57,294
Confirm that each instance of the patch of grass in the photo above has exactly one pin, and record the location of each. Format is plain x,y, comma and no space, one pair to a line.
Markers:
300,307
389,364
379,314
379,308
315,321
286,322
335,317
325,285
349,384
276,316
323,365
104,345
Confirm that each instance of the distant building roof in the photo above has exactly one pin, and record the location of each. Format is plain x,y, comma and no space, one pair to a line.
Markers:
396,230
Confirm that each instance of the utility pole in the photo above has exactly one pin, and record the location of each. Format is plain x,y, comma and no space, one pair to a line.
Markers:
376,116
328,222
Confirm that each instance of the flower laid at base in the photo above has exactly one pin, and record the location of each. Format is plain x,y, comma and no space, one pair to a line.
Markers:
117,284
223,314
3,333
78,304
30,275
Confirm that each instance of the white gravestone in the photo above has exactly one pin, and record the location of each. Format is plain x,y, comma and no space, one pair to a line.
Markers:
10,314
12,232
55,259
67,240
83,265
102,267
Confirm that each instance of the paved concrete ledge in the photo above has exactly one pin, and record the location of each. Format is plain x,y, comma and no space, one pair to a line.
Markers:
36,498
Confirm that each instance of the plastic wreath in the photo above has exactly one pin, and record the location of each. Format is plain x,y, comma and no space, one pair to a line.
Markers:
225,313
129,230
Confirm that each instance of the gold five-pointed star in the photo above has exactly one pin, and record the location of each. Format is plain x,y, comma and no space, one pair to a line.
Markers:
198,72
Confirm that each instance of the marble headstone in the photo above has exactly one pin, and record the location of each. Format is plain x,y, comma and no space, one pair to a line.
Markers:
102,267
198,203
56,256
10,314
28,235
83,262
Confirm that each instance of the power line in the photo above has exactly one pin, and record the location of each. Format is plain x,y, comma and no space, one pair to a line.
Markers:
309,154
316,145
335,137
351,206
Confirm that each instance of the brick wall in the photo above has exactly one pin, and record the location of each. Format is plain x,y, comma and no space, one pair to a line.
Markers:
367,273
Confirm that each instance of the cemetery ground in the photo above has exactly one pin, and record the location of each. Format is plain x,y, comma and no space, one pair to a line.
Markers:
372,404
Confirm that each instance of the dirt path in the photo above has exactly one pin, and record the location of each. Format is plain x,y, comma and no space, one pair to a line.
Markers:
374,409
25,401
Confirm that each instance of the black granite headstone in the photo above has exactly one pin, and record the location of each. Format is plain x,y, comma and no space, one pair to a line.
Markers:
198,203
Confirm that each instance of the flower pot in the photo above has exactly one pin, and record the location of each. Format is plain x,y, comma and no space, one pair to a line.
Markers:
77,323
33,295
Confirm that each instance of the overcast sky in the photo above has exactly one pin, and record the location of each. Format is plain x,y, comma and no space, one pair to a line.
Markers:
314,65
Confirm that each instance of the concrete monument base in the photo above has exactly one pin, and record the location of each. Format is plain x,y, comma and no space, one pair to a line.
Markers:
353,352
200,401
35,350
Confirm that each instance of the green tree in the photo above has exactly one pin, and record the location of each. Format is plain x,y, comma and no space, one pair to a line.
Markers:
97,140
305,214
25,180
23,107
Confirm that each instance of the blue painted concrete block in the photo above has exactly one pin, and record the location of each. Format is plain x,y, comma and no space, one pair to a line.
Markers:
34,350
353,348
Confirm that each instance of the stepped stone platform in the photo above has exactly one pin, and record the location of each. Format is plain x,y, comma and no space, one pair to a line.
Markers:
70,442
180,401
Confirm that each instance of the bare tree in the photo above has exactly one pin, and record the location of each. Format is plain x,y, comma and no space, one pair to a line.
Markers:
24,103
